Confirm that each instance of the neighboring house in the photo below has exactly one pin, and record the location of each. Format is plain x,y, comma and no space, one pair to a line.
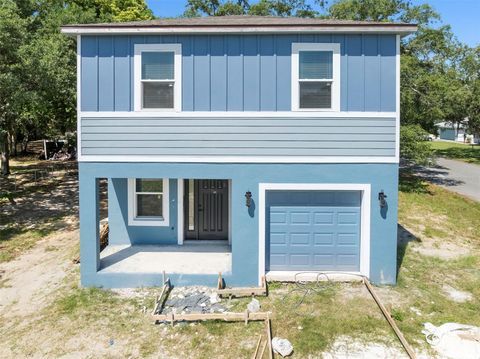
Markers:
241,145
455,132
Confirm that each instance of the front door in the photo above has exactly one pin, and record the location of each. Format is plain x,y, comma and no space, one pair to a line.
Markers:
206,209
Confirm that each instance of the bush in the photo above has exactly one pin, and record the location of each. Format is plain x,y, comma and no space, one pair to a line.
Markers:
414,147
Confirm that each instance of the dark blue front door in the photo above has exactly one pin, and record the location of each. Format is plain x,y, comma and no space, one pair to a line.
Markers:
313,230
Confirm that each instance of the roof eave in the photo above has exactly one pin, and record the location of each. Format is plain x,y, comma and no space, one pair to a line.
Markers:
132,30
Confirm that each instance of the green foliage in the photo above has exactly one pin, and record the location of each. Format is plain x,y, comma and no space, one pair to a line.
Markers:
243,7
413,145
38,63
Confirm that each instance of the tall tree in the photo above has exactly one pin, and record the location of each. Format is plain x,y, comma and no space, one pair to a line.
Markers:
243,7
13,30
37,63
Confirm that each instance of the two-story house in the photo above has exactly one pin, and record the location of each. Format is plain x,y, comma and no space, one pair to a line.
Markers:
244,145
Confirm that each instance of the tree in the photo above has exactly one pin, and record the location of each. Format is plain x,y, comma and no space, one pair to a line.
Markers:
243,7
38,64
12,32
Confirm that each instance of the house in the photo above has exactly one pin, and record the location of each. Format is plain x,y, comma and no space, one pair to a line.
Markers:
455,132
244,145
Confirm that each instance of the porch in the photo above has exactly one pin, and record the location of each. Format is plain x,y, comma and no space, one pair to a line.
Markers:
190,258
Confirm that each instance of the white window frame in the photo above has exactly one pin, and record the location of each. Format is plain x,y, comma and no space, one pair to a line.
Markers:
335,49
133,220
177,89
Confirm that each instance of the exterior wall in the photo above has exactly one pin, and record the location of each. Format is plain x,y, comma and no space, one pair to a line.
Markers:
239,72
244,222
147,137
447,134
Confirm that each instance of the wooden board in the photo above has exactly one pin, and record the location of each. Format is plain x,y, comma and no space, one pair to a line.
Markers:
228,317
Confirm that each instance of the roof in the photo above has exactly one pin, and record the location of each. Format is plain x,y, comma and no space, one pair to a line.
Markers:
241,24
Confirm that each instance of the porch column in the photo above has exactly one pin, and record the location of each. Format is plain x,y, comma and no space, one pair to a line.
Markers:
89,227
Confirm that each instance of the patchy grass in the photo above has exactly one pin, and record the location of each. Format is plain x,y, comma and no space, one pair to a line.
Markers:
101,323
457,151
16,239
438,213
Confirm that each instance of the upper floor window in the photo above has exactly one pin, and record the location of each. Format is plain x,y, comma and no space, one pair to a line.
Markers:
158,77
315,77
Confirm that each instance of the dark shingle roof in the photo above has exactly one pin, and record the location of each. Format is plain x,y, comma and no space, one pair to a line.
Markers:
241,21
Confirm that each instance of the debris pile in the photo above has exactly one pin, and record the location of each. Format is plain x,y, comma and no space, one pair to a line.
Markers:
453,340
282,346
193,300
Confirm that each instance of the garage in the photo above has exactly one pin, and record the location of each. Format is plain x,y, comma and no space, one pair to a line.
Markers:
313,230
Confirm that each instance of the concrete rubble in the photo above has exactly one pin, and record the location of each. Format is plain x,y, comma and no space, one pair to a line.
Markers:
193,300
282,346
253,306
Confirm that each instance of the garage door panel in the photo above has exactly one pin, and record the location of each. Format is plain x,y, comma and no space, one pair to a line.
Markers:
323,218
300,260
278,260
347,239
314,236
322,239
278,217
323,261
300,239
301,218
278,238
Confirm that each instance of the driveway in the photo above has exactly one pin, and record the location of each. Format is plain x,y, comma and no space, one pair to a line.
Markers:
456,176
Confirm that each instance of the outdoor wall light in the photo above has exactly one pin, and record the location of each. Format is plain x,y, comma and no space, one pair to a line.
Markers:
248,198
381,199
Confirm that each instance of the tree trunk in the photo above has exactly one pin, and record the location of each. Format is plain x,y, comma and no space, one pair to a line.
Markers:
25,145
5,155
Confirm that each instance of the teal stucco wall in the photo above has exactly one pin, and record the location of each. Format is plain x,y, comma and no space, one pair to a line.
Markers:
245,222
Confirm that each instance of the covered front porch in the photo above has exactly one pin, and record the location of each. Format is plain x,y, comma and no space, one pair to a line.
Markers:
157,223
190,258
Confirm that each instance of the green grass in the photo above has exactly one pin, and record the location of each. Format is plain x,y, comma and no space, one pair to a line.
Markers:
434,212
92,318
457,151
15,239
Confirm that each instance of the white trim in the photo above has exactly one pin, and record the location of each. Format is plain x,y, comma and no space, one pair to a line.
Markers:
137,74
180,218
237,114
335,49
397,100
236,159
364,208
156,222
79,103
402,30
230,212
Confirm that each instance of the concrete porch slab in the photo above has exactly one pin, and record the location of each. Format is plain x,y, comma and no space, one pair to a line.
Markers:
190,258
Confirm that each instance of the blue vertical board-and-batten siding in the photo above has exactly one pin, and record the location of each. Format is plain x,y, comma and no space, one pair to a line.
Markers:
239,72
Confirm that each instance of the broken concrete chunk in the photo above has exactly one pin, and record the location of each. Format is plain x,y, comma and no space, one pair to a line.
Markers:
253,306
214,298
282,346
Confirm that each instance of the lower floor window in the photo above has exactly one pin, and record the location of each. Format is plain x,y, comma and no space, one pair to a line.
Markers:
148,201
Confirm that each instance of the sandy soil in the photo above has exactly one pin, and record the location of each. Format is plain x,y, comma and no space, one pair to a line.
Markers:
29,281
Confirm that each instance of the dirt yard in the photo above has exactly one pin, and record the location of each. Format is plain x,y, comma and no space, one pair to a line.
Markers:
45,314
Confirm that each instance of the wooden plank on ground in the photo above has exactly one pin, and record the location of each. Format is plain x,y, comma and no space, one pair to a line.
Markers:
269,337
228,317
390,320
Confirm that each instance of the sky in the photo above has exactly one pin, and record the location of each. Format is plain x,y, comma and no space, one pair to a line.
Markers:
462,15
